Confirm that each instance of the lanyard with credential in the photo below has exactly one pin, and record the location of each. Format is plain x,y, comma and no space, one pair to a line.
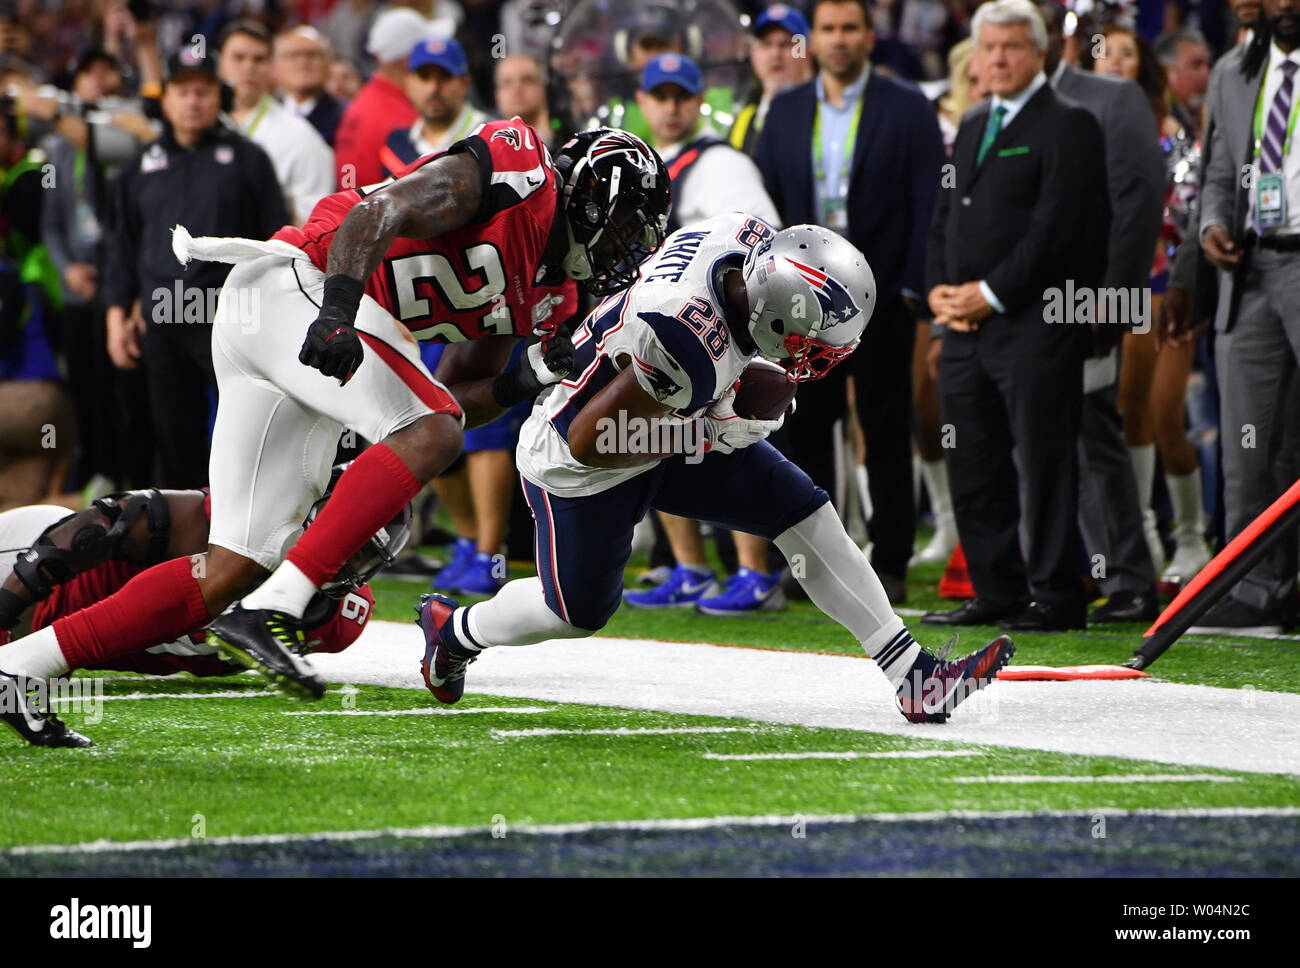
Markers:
1259,120
849,142
463,128
262,107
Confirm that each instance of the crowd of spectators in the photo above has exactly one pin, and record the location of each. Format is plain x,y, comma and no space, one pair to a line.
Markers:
120,119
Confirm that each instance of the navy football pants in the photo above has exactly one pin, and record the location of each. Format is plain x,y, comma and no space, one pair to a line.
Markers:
582,544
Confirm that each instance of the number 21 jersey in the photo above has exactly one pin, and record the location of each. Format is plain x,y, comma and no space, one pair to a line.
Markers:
479,279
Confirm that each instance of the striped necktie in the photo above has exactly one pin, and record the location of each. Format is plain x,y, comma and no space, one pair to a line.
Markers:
1270,152
991,132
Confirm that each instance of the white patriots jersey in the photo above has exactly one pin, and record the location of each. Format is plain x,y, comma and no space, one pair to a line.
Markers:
670,327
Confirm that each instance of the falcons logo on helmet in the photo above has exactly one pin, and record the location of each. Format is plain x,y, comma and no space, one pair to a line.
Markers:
837,305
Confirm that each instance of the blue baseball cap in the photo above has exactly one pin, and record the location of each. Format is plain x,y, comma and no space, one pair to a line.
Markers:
779,15
672,69
447,54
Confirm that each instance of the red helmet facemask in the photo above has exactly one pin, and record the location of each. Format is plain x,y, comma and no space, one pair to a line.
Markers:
811,359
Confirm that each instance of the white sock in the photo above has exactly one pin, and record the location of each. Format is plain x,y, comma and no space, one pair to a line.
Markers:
864,491
1189,508
36,656
936,482
288,591
1144,469
842,583
516,615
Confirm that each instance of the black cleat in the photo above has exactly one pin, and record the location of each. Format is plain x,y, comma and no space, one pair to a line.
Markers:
270,643
20,710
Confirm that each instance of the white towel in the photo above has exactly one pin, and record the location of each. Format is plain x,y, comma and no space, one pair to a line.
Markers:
210,249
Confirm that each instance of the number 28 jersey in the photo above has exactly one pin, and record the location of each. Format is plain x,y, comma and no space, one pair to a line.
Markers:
479,279
670,328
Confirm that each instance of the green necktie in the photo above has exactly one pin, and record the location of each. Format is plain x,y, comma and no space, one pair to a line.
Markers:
991,132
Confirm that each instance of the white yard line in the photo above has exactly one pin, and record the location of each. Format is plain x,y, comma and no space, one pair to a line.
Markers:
87,695
1230,729
682,823
1126,778
844,755
621,731
522,710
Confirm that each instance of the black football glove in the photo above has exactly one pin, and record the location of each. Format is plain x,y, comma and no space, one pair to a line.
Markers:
557,350
332,344
333,349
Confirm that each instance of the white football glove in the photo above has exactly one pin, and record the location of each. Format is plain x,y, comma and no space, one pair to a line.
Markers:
726,431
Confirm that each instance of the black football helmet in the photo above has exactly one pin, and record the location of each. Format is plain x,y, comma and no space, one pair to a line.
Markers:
614,197
375,555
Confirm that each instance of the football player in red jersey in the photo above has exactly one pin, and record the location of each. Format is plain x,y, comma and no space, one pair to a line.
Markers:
56,563
470,247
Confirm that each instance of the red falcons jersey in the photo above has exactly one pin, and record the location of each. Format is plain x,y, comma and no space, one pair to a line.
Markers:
478,280
343,626
340,630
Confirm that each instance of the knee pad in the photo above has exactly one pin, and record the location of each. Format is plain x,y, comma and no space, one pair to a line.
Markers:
88,543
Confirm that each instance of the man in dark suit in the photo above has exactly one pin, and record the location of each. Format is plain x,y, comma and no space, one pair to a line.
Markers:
860,152
1110,511
1250,232
1022,227
301,68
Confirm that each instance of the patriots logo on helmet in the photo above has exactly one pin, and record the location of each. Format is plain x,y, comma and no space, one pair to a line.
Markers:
837,305
510,136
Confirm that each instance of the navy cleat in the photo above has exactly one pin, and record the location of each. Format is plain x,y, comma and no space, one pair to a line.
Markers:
20,710
931,698
443,665
270,643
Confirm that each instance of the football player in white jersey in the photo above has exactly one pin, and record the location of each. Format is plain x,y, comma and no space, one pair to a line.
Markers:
647,420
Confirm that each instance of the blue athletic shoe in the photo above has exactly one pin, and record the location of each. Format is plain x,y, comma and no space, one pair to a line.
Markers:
444,662
683,589
936,684
448,578
479,577
747,591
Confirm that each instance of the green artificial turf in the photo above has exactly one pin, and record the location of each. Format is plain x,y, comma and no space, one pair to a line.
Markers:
168,768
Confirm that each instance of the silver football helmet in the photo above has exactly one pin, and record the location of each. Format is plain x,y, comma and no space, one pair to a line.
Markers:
811,294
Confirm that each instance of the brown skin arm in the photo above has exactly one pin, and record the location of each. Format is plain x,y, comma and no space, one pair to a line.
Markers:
624,393
188,534
441,197
468,370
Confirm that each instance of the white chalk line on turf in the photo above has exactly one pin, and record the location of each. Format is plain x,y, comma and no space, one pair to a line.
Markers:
223,694
1203,727
1113,778
844,755
622,731
651,825
418,712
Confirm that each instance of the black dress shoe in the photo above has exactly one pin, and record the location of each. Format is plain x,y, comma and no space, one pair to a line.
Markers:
974,612
1038,617
1127,607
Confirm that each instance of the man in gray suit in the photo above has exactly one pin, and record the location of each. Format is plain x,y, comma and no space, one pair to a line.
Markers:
1109,513
1250,232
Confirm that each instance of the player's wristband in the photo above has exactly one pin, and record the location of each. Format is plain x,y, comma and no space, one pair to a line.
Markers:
515,385
342,299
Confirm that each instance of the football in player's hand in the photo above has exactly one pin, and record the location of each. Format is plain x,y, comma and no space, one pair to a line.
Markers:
764,392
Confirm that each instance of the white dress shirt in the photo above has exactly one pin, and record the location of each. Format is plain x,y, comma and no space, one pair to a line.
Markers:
721,180
1291,159
303,162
